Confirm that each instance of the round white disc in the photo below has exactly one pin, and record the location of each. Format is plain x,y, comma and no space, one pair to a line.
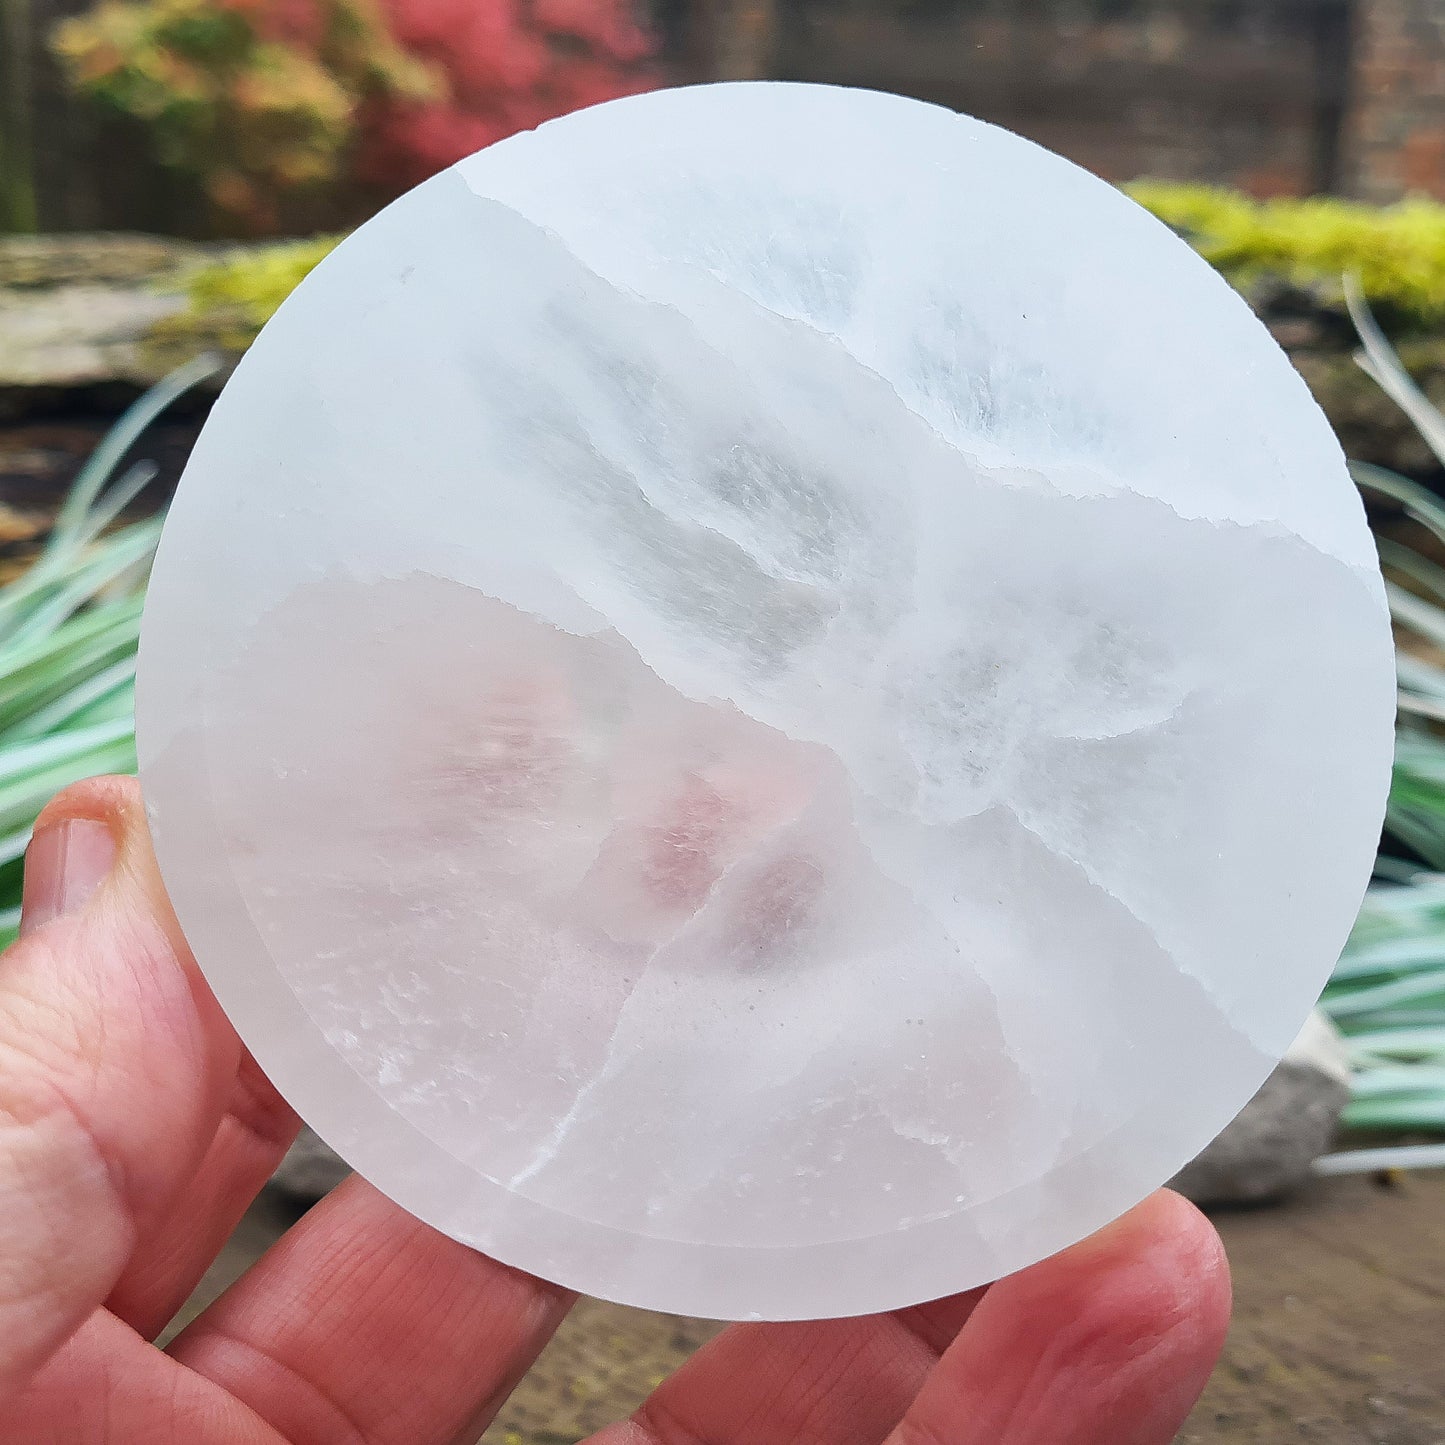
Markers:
766,701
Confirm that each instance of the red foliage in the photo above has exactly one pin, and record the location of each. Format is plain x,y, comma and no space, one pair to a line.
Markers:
508,65
298,23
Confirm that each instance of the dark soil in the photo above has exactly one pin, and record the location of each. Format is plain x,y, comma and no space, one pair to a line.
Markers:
1339,1326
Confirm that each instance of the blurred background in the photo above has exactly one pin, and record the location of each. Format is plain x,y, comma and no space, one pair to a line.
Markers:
212,118
171,169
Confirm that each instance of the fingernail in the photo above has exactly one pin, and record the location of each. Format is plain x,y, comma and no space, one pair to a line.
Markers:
64,865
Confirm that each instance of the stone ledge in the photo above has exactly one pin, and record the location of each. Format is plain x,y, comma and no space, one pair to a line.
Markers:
76,314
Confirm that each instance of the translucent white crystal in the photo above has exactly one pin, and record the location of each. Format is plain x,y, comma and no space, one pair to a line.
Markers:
766,701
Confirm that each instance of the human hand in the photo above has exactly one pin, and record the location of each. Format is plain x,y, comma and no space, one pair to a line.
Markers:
135,1130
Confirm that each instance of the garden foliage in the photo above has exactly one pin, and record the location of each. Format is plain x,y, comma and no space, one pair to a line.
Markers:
505,66
1388,992
1396,252
251,98
69,628
259,99
230,299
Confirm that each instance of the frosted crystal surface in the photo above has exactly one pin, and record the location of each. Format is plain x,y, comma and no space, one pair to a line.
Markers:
766,700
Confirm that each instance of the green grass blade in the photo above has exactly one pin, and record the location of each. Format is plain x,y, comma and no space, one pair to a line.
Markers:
1379,1161
23,798
1425,987
42,753
1403,1043
1416,614
82,701
136,545
1379,362
137,417
1421,570
1396,1115
13,845
1403,1080
89,643
1419,503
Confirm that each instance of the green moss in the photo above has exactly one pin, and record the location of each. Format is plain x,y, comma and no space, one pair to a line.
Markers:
1398,252
231,299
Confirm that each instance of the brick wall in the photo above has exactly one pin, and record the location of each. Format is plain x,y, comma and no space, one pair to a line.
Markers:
1247,93
1276,96
1394,137
1244,91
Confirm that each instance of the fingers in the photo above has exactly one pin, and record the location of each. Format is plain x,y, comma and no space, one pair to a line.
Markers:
250,1141
1108,1343
107,1384
833,1382
115,1067
364,1325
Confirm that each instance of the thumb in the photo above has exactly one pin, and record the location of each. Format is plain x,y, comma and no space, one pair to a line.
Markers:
115,1065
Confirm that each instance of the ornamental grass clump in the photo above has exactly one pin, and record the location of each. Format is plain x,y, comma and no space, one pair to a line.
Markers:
1387,995
68,632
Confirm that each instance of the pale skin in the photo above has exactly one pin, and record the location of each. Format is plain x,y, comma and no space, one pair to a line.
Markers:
135,1130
